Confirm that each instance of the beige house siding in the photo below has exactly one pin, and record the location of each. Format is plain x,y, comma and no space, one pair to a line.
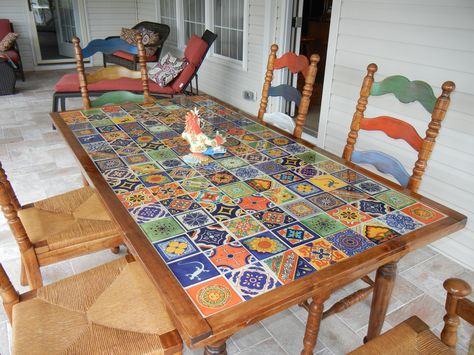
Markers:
422,40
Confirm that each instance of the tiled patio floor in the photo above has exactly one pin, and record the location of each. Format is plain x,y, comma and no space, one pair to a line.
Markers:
39,164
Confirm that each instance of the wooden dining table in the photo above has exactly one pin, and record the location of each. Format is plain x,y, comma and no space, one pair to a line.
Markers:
271,223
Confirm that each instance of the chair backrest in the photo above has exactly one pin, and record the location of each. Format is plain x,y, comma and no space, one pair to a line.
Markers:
5,27
162,29
295,64
108,46
405,91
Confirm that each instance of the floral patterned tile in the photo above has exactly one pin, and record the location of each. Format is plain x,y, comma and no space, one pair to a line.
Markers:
193,269
423,213
350,176
330,166
350,242
162,154
326,201
280,141
371,187
172,163
304,188
400,222
213,296
147,168
323,225
280,195
270,167
237,190
349,215
230,256
254,203
180,204
182,173
274,217
376,231
222,178
349,194
244,226
320,253
212,195
232,162
395,199
125,185
291,162
275,153
295,148
262,184
162,228
195,219
166,191
103,154
176,248
136,198
301,209
295,234
311,157
90,139
130,150
154,179
108,164
119,173
372,207
252,280
210,236
289,266
149,212
246,172
287,177
254,158
196,184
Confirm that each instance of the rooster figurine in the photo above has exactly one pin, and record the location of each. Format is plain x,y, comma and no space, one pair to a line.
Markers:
201,146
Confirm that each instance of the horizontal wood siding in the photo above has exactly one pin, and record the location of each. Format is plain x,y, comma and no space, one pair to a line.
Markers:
17,12
146,10
422,40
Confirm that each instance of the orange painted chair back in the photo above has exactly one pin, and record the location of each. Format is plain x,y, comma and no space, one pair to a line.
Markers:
111,73
295,64
405,91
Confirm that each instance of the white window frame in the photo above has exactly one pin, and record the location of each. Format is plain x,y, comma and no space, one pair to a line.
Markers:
209,23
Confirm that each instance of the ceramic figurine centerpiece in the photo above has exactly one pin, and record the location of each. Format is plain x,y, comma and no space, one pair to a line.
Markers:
201,146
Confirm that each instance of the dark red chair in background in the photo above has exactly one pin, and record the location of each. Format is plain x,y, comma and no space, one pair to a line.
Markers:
195,52
14,53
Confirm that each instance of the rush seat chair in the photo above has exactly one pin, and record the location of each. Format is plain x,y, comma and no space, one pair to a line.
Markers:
111,309
57,228
295,64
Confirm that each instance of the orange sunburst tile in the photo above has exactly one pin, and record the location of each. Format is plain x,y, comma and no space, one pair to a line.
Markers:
422,213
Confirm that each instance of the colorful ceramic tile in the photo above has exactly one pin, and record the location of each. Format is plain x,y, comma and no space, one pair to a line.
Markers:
150,146
349,194
208,168
371,187
136,198
254,158
274,217
172,163
326,201
136,159
400,222
350,176
395,199
119,173
102,122
222,178
280,195
281,141
90,139
275,153
241,150
422,213
119,143
323,225
131,150
125,185
232,162
144,169
330,166
196,184
154,179
107,129
163,192
111,136
320,253
162,154
213,296
231,142
254,203
286,177
261,145
372,207
162,228
376,231
222,211
295,234
166,135
123,119
327,182
176,248
249,138
108,164
237,190
195,219
85,132
194,269
349,215
97,146
262,184
230,256
245,226
309,171
246,172
301,209
266,134
295,148
179,204
289,266
304,188
270,167
252,280
103,154
213,195
311,157
182,173
210,237
148,212
350,242
291,162
255,127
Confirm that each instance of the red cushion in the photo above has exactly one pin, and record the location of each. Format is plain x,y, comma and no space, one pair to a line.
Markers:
4,27
129,56
70,83
13,55
183,77
195,50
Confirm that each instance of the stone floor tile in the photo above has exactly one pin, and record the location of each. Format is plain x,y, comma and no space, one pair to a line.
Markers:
338,336
4,342
269,346
250,336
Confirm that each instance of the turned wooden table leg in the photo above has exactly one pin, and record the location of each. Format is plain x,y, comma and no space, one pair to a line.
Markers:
315,314
384,282
216,349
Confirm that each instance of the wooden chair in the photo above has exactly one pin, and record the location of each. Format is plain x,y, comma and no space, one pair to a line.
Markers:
296,64
111,309
113,73
405,91
57,228
413,336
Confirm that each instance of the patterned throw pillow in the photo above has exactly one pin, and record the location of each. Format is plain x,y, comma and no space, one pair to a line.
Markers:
166,70
150,40
8,41
128,35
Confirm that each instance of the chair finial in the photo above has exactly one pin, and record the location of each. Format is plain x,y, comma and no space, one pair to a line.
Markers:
314,58
274,47
448,86
372,68
76,40
457,287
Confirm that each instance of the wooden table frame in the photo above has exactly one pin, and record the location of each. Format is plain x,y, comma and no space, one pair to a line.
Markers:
212,332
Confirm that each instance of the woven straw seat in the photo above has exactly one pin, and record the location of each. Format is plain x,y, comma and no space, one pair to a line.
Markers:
57,228
74,217
111,309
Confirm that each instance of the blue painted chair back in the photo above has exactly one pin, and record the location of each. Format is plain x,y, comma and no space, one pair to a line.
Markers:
108,46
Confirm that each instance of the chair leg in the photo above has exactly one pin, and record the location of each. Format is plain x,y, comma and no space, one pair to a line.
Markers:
32,269
63,104
115,250
23,278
